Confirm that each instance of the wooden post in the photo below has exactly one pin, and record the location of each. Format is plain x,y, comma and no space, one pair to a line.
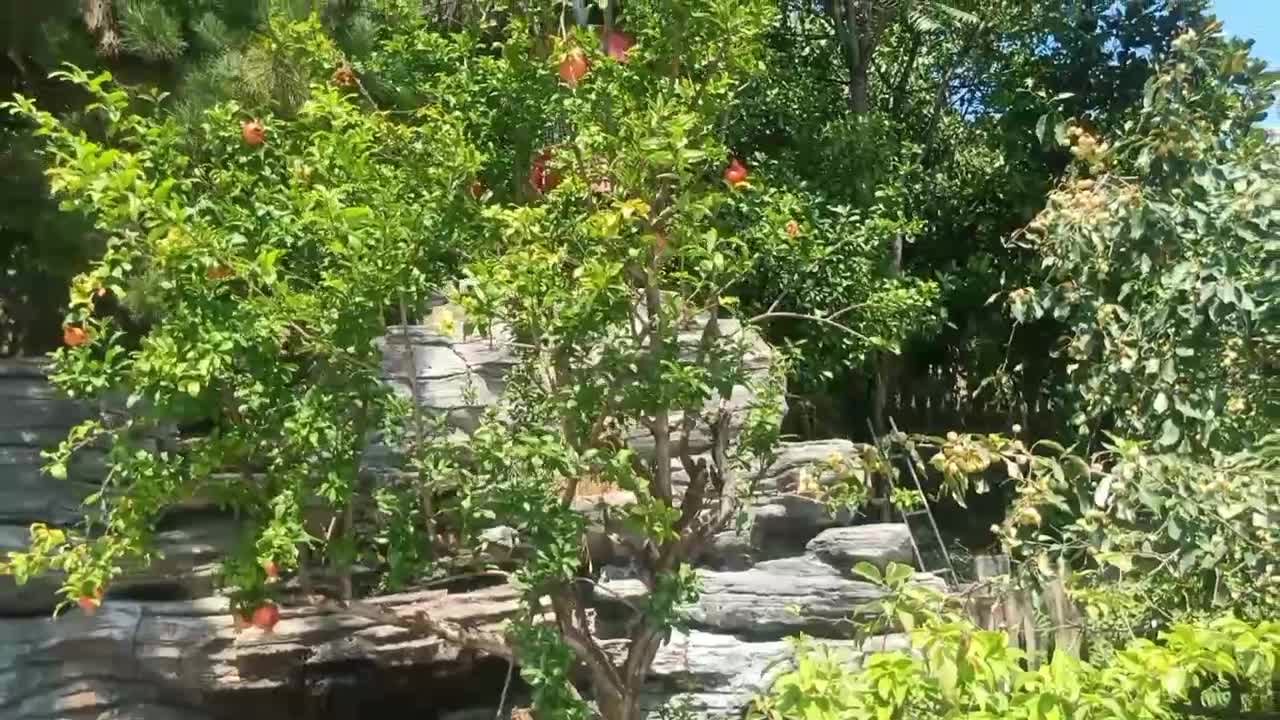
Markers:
999,610
1067,621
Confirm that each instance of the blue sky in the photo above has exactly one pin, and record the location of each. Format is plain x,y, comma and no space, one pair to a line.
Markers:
1259,20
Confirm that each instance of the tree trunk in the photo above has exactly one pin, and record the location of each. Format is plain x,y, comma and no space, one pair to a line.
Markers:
860,87
100,22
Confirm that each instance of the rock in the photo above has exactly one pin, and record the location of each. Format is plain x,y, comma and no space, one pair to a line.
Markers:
498,543
715,676
459,378
773,600
790,459
31,410
878,544
787,523
166,654
456,379
728,550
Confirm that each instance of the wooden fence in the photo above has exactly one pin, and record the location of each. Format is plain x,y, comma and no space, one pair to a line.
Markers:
935,399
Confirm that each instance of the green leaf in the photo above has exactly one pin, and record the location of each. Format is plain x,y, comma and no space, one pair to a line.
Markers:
868,571
1161,403
1175,682
1169,433
897,573
907,620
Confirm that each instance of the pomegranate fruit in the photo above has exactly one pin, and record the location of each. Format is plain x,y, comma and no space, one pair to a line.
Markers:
74,335
344,76
793,228
253,132
218,272
541,177
90,603
573,67
265,616
477,189
617,44
272,570
736,172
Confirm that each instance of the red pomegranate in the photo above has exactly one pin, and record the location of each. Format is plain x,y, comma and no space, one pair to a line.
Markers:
573,67
344,76
218,272
265,616
89,603
272,570
618,43
476,189
542,178
74,335
253,132
736,172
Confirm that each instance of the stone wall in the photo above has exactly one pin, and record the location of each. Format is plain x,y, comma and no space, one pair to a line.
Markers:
163,645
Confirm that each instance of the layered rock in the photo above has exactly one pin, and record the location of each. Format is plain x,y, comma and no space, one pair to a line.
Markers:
164,646
774,599
144,660
715,676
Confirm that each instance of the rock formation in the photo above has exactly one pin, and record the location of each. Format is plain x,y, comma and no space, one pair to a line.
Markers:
163,645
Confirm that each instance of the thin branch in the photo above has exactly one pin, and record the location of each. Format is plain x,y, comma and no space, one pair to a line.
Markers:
423,624
801,316
506,686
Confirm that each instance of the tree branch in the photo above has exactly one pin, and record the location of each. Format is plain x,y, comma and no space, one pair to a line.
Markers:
801,316
420,623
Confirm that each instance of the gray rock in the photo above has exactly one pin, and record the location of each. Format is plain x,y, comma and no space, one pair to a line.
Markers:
775,599
878,544
715,676
793,458
728,550
157,655
458,378
786,523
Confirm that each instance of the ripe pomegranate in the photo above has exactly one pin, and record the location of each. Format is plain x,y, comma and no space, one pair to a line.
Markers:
272,570
618,43
253,132
218,272
344,76
477,189
89,603
542,178
793,228
265,616
74,335
573,67
736,172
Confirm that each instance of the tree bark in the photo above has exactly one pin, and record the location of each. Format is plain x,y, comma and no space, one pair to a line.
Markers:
860,88
100,21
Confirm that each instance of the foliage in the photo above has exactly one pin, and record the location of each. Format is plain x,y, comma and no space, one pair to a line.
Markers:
1161,257
260,275
956,670
616,284
1152,538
